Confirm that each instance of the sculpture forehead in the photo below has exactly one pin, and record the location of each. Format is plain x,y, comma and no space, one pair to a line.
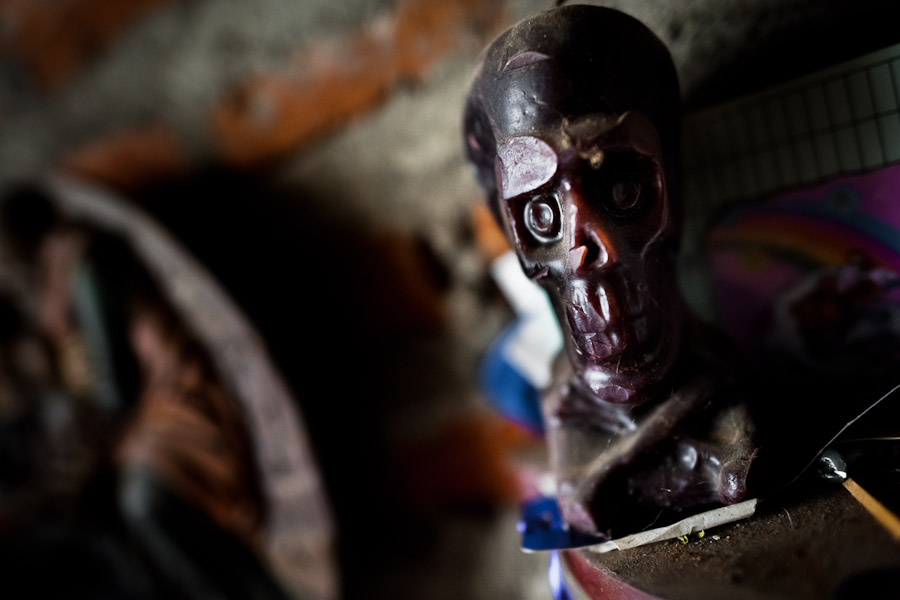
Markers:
568,62
528,162
525,163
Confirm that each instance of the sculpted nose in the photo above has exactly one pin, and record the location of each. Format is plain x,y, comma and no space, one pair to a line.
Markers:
591,250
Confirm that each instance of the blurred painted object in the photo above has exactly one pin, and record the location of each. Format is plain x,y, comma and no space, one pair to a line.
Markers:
814,274
215,478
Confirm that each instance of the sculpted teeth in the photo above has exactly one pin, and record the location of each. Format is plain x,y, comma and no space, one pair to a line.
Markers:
604,303
576,257
596,346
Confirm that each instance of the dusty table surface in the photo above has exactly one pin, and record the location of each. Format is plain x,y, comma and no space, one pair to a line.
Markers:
817,544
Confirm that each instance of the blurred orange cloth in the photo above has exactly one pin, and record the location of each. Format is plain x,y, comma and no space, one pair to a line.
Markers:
469,462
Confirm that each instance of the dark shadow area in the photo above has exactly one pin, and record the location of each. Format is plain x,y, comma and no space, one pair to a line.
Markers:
335,310
777,54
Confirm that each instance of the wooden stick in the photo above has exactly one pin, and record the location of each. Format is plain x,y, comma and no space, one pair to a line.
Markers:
878,510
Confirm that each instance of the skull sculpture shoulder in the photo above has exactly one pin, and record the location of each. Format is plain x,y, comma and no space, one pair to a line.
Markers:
572,124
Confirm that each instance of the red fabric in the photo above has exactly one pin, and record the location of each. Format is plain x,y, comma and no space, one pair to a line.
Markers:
599,584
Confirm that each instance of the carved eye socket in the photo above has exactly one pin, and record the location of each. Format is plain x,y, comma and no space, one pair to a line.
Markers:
542,218
624,195
626,184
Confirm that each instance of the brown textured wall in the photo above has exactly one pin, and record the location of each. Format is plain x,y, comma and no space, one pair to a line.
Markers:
53,41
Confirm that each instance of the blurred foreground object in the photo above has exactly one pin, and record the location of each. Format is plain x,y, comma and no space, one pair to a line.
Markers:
216,481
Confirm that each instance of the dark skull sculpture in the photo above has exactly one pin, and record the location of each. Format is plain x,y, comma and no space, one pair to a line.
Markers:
572,123
571,133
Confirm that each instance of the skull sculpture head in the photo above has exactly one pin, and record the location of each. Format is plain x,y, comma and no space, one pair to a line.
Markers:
572,124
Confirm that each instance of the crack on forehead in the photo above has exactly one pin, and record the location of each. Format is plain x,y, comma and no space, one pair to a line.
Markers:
524,59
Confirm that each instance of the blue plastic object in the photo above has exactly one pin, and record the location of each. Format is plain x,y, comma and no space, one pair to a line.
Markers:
554,574
543,528
508,391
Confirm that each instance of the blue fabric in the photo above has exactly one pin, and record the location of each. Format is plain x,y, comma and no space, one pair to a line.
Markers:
508,392
543,528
